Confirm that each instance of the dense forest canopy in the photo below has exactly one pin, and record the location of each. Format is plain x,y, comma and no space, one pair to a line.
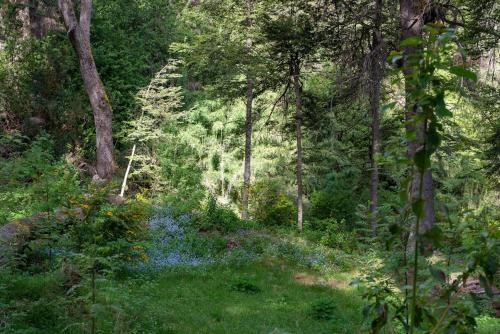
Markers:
249,166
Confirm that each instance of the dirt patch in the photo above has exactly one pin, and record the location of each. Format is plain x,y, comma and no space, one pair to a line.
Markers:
337,284
311,279
306,279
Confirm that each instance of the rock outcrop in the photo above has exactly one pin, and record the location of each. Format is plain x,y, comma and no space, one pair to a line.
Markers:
15,235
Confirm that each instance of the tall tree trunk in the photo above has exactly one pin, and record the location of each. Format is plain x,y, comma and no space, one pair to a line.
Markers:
79,35
222,167
411,20
376,70
35,20
248,124
298,132
36,17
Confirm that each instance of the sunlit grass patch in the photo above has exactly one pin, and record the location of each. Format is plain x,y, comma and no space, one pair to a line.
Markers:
204,300
488,325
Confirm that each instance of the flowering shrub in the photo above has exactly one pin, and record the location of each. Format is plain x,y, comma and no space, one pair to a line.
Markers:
108,230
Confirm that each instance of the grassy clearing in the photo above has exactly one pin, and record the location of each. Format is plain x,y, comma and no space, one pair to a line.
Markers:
268,295
248,281
214,300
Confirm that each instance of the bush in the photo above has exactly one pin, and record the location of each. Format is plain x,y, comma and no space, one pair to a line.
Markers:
11,143
31,301
332,233
202,246
244,284
322,309
35,181
214,217
271,205
108,231
339,198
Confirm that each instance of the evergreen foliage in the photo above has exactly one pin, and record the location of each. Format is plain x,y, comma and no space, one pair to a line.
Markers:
403,201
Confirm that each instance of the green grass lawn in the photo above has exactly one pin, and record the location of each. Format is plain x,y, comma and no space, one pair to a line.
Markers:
265,296
272,293
213,300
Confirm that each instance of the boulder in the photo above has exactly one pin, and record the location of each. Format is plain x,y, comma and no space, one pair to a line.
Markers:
14,235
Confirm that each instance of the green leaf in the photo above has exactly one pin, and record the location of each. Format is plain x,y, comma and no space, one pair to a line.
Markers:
403,192
433,138
463,72
411,41
446,37
422,160
366,310
387,107
486,285
431,29
434,236
418,315
381,319
394,229
452,328
490,265
438,274
440,106
396,58
355,281
418,207
430,317
411,134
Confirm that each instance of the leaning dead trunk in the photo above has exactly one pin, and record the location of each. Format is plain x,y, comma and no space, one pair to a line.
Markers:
298,132
248,127
376,69
79,35
412,25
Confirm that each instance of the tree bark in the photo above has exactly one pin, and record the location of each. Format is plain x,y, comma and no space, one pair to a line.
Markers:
79,35
376,69
36,16
298,131
411,20
222,167
248,125
35,20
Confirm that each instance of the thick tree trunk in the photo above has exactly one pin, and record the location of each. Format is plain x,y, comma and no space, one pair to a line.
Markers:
248,126
79,34
376,69
411,20
41,18
248,149
35,20
298,129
